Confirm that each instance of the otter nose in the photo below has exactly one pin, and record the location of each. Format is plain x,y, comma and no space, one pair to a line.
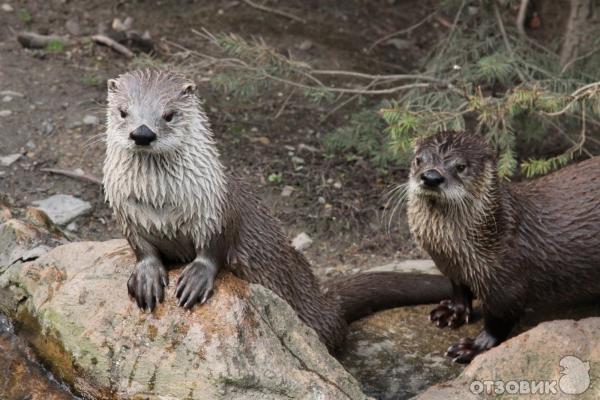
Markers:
432,178
142,135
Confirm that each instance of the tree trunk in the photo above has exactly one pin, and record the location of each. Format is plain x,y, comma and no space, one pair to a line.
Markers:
578,30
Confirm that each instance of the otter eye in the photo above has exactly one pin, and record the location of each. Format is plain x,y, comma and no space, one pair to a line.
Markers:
418,160
169,116
460,168
123,113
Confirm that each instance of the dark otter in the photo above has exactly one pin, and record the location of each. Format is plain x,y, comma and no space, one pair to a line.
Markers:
511,245
167,186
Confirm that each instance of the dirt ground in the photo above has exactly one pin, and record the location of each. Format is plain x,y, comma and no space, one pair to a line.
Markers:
61,88
339,203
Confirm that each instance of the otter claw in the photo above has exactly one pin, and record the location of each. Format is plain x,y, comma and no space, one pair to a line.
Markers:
146,284
195,285
464,351
466,348
450,314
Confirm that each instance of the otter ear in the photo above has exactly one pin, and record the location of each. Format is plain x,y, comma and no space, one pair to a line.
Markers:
112,85
188,89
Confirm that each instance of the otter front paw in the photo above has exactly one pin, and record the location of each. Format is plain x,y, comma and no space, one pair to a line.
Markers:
146,284
195,285
451,314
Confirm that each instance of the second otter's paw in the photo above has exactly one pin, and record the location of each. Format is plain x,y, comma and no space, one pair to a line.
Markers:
147,282
195,285
466,348
451,314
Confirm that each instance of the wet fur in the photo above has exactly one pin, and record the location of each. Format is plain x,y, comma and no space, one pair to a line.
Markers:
512,245
174,200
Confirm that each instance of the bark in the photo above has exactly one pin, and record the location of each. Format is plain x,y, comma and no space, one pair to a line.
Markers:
578,30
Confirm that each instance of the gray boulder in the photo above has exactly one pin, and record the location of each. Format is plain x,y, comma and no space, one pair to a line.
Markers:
554,360
245,343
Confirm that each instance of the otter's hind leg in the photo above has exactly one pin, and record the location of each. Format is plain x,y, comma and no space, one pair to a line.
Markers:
494,332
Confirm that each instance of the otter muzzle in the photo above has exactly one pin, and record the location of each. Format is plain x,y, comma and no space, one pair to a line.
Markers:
432,178
142,135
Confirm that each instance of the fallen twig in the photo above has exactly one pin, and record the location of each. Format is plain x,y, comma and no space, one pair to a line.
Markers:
400,32
32,40
119,48
287,99
73,174
274,11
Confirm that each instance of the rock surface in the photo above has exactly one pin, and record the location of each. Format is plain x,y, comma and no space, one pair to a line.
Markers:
26,239
423,266
564,355
21,375
398,353
245,343
63,208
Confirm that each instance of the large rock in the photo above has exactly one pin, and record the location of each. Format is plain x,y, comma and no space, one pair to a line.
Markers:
398,353
561,357
245,343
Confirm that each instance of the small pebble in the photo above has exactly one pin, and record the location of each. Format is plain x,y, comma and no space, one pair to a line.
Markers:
307,147
302,241
91,120
47,128
306,45
7,161
5,113
73,27
7,7
287,191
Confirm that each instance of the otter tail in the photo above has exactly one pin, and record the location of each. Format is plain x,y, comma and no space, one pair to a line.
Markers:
363,294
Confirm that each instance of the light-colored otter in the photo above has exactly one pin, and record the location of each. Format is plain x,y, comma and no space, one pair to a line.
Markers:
511,245
165,182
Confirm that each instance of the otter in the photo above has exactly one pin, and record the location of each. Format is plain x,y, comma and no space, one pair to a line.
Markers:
510,245
175,203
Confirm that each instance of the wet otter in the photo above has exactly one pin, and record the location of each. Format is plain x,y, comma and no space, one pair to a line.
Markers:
511,245
165,182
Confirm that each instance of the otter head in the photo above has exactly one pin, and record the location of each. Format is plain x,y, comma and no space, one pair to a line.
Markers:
451,168
153,111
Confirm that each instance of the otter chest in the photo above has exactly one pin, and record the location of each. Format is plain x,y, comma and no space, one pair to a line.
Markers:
451,245
167,228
